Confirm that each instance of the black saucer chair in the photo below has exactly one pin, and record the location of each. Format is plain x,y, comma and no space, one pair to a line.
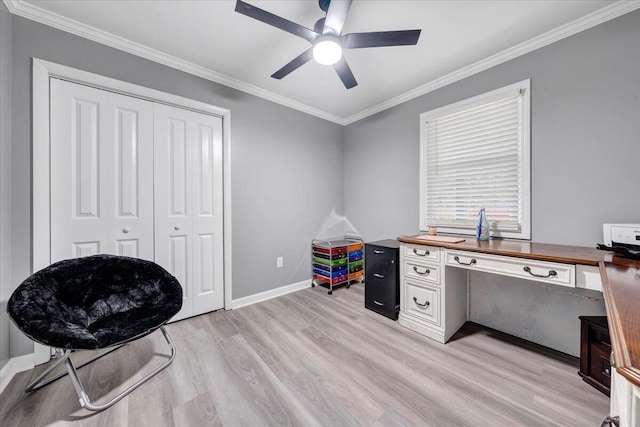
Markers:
93,303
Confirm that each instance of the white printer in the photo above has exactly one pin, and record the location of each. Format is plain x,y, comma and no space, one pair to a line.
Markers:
623,239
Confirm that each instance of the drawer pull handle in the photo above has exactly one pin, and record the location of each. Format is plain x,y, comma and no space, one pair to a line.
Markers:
473,261
426,252
422,273
552,273
426,303
378,251
378,303
379,276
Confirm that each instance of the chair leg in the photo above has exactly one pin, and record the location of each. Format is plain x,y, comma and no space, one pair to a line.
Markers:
39,382
84,399
62,355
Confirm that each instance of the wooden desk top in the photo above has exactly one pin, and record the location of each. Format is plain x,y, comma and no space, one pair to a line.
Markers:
620,285
621,288
522,249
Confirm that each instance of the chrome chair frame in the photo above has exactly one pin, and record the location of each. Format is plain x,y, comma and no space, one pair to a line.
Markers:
63,357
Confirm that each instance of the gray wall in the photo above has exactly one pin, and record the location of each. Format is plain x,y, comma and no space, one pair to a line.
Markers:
585,151
5,179
277,157
585,140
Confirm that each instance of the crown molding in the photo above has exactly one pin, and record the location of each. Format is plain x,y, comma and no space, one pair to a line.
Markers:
35,13
591,20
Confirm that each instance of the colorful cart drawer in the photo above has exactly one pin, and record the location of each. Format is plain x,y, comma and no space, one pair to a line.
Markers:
356,276
329,256
323,280
332,274
332,263
331,251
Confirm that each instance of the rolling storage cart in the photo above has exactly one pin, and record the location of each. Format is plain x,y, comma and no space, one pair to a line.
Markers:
337,262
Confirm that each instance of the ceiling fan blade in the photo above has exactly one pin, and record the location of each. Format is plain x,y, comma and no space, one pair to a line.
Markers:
336,16
297,62
345,74
275,21
381,38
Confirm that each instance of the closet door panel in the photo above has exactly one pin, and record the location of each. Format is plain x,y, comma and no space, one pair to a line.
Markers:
207,222
101,198
132,225
172,189
79,222
188,205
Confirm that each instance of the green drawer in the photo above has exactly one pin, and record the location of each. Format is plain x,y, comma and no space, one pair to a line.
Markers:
355,264
333,263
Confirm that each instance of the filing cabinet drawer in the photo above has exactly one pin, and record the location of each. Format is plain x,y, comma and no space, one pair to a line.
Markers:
422,271
422,302
427,253
382,297
382,261
539,271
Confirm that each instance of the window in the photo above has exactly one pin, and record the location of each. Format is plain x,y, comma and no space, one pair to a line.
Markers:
475,153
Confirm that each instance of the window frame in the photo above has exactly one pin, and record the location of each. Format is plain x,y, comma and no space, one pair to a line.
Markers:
524,87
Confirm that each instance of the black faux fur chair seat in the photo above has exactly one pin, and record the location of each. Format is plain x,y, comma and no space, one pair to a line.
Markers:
95,302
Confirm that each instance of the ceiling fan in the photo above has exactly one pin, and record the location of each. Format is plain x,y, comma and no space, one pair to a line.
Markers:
327,38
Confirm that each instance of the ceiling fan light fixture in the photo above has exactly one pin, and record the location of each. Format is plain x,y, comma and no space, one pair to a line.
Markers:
327,51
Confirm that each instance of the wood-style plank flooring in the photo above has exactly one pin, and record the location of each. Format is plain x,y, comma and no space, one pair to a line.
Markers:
310,359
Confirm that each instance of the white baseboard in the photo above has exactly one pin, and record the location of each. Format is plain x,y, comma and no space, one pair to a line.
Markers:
263,296
13,366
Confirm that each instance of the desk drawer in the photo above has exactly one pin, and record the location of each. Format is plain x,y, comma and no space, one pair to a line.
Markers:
427,253
422,302
421,271
539,271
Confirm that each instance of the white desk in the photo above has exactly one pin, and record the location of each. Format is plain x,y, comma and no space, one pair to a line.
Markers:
433,293
433,290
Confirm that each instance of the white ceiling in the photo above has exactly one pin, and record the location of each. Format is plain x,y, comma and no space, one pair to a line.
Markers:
209,39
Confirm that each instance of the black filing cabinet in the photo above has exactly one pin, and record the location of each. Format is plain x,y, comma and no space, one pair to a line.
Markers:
381,277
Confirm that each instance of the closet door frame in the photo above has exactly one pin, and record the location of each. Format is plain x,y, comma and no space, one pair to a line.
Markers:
43,72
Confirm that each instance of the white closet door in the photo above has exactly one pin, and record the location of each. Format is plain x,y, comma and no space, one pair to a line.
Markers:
188,205
101,173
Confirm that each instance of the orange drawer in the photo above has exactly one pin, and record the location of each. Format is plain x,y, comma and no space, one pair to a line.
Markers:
355,276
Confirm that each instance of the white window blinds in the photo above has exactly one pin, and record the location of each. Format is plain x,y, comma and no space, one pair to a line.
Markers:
473,157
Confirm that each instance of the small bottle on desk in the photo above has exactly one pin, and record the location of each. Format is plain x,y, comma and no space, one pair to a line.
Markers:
482,232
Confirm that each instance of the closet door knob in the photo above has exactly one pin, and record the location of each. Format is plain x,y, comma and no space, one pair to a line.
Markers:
126,230
177,227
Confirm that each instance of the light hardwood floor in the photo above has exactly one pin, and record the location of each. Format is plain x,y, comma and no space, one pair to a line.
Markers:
309,359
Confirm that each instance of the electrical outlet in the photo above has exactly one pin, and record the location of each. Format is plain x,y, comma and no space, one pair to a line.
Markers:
279,262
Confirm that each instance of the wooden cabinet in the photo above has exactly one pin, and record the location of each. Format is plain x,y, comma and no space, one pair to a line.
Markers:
382,289
595,352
